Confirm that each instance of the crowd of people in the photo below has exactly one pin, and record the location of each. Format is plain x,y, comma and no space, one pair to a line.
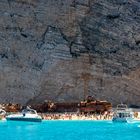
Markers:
75,116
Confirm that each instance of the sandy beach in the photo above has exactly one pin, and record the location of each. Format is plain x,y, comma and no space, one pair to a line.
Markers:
74,116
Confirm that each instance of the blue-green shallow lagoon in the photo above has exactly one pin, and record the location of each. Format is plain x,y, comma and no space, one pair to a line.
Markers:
69,130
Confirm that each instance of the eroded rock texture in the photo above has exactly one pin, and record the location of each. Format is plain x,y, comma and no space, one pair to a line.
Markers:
64,50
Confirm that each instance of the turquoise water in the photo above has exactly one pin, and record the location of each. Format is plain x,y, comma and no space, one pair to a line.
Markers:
69,130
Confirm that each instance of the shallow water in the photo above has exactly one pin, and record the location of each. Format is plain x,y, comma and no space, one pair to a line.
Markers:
69,130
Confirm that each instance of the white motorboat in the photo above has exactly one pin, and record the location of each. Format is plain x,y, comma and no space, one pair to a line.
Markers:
27,114
123,114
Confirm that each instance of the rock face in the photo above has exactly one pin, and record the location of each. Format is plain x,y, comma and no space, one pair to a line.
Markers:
65,50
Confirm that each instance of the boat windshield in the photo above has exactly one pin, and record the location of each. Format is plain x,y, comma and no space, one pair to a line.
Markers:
28,110
2,112
122,107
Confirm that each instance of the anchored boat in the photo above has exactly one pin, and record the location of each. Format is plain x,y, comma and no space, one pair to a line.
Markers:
27,114
122,114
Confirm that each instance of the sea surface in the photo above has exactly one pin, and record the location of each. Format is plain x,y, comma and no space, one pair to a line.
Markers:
69,130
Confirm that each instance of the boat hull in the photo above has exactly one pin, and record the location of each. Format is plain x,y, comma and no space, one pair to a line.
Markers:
124,120
24,119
